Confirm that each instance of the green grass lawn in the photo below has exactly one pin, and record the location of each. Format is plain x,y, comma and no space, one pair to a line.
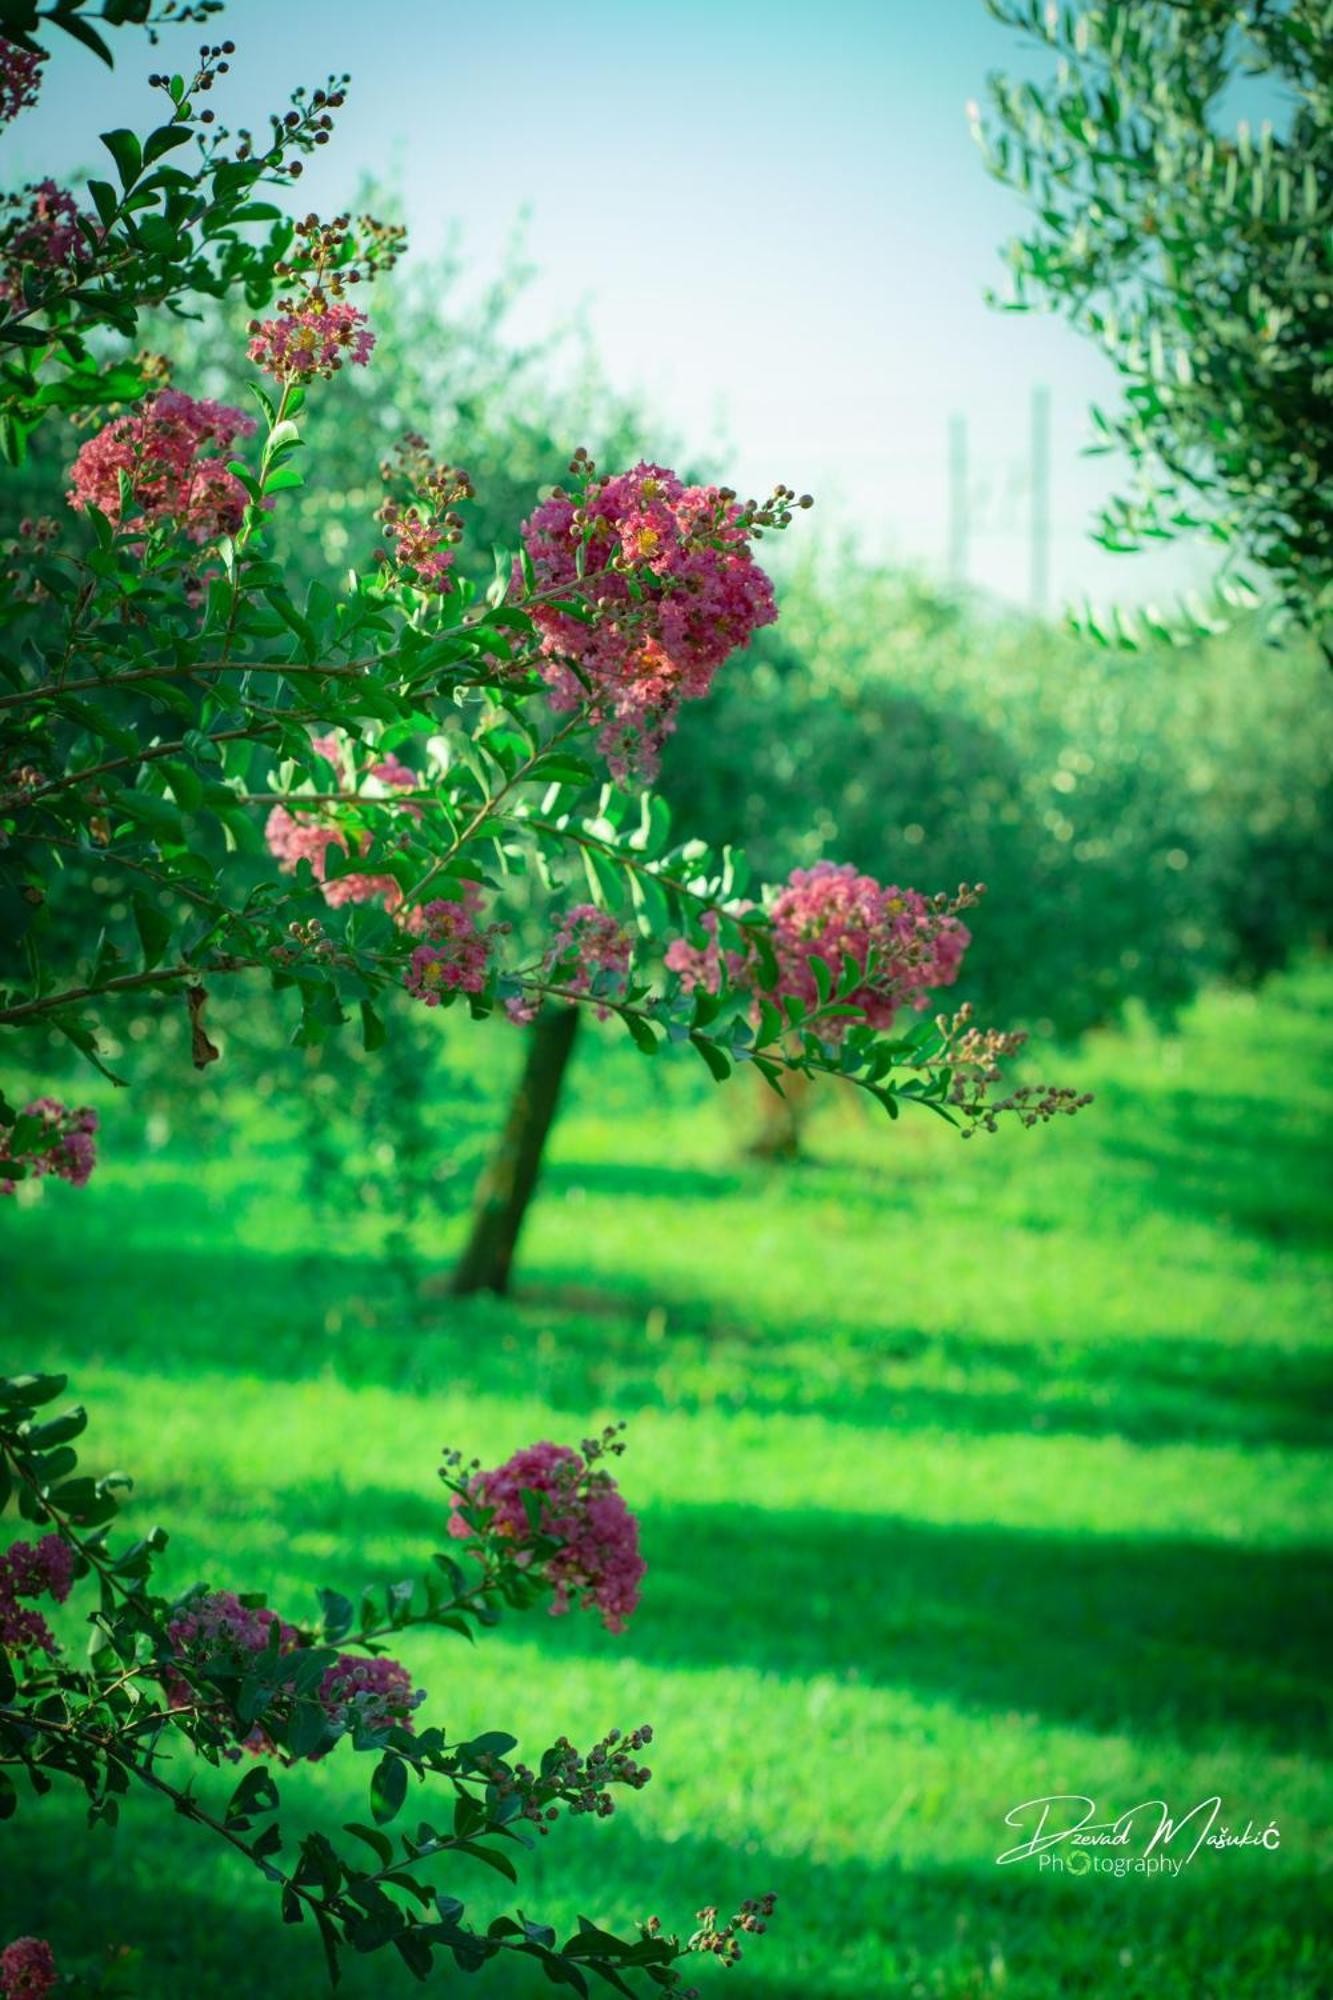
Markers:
967,1474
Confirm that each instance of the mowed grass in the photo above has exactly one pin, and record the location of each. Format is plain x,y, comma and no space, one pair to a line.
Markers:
968,1474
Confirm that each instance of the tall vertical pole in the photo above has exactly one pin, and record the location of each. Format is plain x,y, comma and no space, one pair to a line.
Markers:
1039,575
958,521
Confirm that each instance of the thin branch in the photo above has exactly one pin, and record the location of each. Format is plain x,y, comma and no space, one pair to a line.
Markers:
126,982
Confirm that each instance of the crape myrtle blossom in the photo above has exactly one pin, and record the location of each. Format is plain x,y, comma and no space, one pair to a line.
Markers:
424,529
63,1146
364,1693
905,944
20,79
578,1506
676,591
214,1632
27,1969
32,1569
171,451
315,329
47,235
700,968
313,339
298,836
589,953
455,955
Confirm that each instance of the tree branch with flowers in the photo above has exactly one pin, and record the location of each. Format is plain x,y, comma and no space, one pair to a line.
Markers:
204,779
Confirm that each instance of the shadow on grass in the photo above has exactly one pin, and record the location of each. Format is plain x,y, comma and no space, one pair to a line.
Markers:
1209,1158
1194,1640
288,1317
1226,1929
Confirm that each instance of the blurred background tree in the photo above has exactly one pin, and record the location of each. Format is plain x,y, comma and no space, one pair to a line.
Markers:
1197,250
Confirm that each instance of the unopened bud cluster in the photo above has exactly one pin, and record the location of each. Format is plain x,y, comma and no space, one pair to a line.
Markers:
307,124
567,1778
974,1056
722,1941
425,528
213,63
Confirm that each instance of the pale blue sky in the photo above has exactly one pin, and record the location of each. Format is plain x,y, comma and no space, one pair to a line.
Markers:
769,211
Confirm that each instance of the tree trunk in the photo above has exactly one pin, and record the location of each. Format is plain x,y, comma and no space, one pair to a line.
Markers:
782,1120
511,1178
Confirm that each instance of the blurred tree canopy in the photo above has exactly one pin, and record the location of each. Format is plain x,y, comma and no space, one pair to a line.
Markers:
1142,822
1195,244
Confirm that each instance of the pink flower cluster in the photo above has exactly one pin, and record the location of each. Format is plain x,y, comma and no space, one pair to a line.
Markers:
215,1628
369,1693
905,944
700,966
415,542
456,954
20,78
48,234
32,1569
580,1507
314,338
215,1624
296,837
65,1148
598,951
161,450
677,592
27,1969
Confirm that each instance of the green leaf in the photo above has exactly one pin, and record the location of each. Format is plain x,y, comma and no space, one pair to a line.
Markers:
162,141
717,1063
183,781
642,1034
56,1430
388,1788
31,1391
373,1032
256,1793
105,201
125,151
379,1843
154,927
82,32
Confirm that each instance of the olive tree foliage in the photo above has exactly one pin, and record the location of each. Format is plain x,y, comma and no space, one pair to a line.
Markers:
1179,169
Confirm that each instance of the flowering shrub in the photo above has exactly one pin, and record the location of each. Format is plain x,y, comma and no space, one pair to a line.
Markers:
316,330
301,836
224,1673
334,795
28,1569
456,954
